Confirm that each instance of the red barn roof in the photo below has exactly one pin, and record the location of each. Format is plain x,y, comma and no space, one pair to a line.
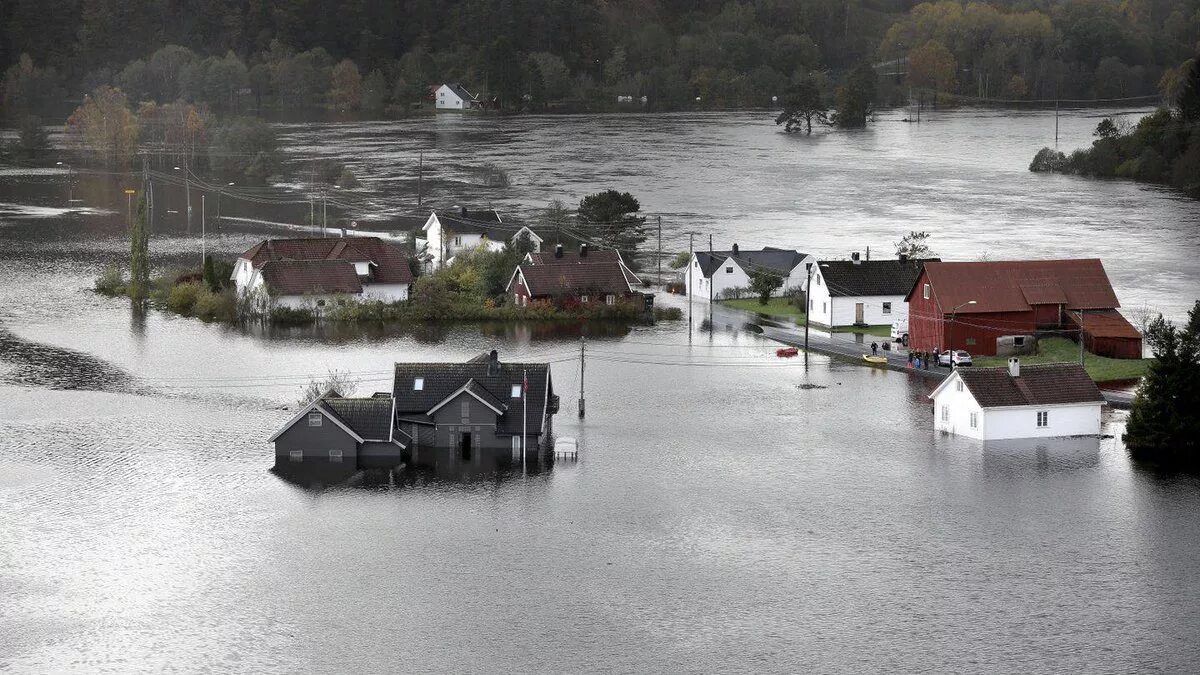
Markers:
1018,285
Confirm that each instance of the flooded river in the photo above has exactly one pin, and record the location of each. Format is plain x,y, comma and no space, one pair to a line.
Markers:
729,511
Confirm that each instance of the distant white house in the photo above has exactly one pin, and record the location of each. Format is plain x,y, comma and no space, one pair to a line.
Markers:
711,273
453,96
861,292
1039,401
449,232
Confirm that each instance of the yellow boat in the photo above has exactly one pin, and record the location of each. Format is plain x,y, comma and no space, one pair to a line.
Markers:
875,360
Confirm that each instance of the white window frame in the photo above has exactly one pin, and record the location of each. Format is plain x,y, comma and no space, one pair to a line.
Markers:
1019,341
295,455
516,391
958,386
583,298
945,413
610,299
974,420
925,292
418,384
335,456
1043,419
315,419
729,270
887,308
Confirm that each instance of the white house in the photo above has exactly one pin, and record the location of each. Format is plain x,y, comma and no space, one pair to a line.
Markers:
453,96
1040,401
861,292
449,232
312,273
710,273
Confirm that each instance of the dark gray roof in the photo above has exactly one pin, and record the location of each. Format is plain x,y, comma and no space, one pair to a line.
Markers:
480,222
368,417
1046,384
769,259
443,379
870,277
460,91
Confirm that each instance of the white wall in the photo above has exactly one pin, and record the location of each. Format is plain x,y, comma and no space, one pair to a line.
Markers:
385,292
1081,419
960,404
841,311
739,278
447,99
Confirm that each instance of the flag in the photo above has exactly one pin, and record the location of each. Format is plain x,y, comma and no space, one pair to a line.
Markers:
524,383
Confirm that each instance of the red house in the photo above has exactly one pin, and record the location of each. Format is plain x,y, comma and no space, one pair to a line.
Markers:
580,279
978,306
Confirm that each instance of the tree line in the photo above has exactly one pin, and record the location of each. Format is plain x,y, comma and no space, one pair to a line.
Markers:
379,56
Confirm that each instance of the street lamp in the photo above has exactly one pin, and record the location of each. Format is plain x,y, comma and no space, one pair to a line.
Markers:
187,186
70,182
952,314
230,184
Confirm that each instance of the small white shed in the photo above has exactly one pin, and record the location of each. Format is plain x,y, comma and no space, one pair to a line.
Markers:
1040,401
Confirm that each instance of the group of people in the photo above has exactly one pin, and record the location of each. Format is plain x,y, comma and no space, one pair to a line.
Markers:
921,359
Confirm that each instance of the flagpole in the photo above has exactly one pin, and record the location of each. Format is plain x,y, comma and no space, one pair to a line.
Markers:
524,414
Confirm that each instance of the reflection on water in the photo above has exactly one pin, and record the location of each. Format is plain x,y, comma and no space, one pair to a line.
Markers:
48,366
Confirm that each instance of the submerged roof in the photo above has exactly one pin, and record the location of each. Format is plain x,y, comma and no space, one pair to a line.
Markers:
368,417
870,277
493,379
769,259
581,277
1018,285
303,277
1046,384
390,264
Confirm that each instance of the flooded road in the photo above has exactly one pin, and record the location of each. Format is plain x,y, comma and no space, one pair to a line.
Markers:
729,510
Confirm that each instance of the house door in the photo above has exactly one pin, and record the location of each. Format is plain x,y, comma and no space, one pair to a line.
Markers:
464,446
858,312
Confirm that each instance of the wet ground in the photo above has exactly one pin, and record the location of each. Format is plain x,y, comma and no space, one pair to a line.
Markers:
729,510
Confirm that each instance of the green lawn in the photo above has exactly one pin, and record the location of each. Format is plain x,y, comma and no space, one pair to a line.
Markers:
777,307
1059,350
876,331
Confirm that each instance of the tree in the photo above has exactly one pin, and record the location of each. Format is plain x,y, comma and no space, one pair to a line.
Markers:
210,275
765,284
932,66
1188,100
610,219
32,138
855,98
1107,128
104,124
346,90
139,253
802,104
340,383
245,146
375,90
680,260
914,245
1164,426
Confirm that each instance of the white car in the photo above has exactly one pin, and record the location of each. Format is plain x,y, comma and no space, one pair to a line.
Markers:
900,331
958,358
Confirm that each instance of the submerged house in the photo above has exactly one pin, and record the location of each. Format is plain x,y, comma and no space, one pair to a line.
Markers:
860,292
479,413
1039,401
710,274
451,231
581,278
454,96
310,273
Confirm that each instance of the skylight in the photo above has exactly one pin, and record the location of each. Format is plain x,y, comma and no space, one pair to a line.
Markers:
418,383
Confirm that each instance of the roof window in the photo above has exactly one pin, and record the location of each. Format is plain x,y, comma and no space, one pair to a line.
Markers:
418,383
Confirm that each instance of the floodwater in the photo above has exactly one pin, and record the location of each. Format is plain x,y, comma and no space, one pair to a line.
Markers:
729,510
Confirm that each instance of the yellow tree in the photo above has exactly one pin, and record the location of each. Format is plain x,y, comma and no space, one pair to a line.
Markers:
105,125
932,66
346,86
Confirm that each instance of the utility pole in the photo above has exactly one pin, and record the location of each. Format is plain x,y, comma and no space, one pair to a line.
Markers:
660,249
187,186
691,255
807,306
710,286
312,214
420,171
582,356
324,213
203,232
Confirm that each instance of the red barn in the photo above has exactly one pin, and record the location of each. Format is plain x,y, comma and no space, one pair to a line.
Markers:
975,305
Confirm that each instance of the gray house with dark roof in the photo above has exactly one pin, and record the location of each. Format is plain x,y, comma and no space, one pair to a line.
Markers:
476,414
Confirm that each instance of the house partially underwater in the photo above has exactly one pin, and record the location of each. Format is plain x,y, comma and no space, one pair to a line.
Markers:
483,412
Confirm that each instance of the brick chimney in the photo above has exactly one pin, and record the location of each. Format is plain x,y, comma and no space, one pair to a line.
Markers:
558,251
1014,367
583,250
735,250
856,258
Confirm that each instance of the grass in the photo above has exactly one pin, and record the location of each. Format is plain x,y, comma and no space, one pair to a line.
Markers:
877,331
1060,350
777,307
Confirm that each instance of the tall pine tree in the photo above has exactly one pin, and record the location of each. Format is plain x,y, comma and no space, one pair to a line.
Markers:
1164,427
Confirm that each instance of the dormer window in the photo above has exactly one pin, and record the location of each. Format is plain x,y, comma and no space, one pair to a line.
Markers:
516,391
314,419
418,384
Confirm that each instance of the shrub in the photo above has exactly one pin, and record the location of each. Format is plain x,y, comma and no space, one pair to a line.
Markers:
182,298
112,282
285,316
211,306
1048,159
668,313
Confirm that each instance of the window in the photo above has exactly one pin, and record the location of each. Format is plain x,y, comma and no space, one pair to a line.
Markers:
958,386
970,342
314,419
925,292
887,308
810,304
335,456
974,420
1043,418
458,241
466,408
516,391
296,456
418,383
822,308
945,413
818,279
583,298
1019,341
728,270
610,299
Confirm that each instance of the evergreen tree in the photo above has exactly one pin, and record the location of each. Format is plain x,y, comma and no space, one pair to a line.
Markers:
1164,426
803,104
210,275
139,254
610,219
855,98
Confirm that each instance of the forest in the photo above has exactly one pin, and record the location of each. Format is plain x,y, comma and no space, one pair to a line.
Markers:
376,56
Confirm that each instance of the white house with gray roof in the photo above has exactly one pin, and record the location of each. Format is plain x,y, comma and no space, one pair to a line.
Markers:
454,96
709,274
860,292
449,232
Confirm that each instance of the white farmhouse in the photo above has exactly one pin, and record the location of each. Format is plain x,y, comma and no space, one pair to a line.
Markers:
449,232
1041,401
312,273
710,273
859,292
453,96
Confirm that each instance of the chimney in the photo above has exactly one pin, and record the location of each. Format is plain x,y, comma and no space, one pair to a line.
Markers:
583,250
494,363
462,211
856,257
868,253
735,250
558,251
903,258
1014,367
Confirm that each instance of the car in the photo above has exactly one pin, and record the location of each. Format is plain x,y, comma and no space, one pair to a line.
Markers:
900,331
958,358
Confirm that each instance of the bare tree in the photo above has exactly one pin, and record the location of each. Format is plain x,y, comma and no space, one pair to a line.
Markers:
336,381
